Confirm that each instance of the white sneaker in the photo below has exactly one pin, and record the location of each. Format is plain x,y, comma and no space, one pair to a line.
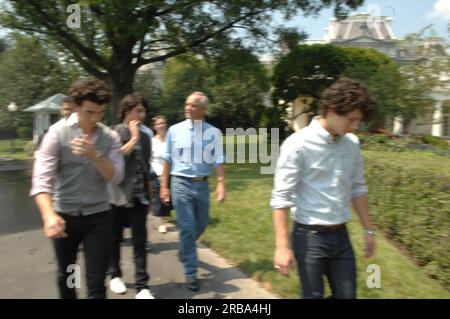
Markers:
144,294
162,229
117,286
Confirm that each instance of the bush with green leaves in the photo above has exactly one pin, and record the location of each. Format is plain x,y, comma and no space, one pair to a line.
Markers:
436,141
410,201
24,132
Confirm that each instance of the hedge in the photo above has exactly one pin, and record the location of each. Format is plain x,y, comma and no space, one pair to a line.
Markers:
409,197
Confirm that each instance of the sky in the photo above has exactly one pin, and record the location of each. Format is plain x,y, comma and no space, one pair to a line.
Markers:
408,16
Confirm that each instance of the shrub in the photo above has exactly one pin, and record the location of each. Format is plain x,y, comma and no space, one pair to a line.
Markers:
24,132
410,200
436,141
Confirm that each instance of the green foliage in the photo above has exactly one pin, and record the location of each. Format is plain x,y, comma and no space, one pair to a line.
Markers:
383,78
24,132
436,141
307,70
410,201
427,143
234,80
29,73
115,38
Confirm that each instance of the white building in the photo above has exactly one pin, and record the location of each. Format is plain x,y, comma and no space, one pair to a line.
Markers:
365,31
45,114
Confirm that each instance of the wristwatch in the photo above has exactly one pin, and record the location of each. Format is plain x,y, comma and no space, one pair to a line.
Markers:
98,155
371,232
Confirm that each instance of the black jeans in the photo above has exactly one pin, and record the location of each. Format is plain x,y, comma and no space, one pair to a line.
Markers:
95,232
135,218
328,253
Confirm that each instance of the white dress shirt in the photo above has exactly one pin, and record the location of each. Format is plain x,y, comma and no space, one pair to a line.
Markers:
318,177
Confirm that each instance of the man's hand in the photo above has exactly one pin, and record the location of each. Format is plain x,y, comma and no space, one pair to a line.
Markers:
370,245
133,126
83,146
221,192
283,259
164,195
54,226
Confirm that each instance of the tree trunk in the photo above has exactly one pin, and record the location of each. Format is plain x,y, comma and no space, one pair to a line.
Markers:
122,84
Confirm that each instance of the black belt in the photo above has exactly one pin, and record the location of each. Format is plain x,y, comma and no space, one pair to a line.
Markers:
322,228
193,179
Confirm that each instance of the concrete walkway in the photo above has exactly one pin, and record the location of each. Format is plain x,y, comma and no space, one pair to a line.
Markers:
28,269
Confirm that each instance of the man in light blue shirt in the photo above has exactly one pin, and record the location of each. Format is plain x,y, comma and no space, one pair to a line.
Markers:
194,149
319,172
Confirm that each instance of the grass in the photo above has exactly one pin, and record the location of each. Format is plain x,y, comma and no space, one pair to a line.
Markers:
241,231
20,146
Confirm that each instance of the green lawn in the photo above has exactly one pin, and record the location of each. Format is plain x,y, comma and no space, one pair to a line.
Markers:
20,146
241,231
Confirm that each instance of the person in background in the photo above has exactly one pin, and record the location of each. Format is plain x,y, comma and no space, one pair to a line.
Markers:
67,108
161,211
131,208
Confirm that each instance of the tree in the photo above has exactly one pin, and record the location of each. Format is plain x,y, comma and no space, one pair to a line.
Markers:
427,74
117,37
29,73
239,84
305,72
235,81
382,77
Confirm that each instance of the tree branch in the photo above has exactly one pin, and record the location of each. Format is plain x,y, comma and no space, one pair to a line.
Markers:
50,24
200,40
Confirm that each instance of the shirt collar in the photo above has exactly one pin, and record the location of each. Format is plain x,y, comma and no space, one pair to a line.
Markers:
190,123
73,119
321,131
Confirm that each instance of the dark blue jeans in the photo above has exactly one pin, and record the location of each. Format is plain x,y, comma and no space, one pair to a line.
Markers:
191,201
328,253
135,218
95,233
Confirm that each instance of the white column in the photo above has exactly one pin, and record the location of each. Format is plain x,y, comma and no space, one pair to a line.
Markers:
398,126
436,129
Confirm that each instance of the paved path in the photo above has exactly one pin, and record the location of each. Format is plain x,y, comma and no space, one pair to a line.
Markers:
27,269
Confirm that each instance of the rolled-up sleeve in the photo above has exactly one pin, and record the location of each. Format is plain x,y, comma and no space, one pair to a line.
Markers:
115,155
45,165
359,187
287,176
167,156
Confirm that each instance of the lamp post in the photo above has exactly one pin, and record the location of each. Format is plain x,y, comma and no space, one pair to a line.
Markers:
12,107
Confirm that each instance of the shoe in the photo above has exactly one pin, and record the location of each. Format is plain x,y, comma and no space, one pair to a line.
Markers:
117,286
192,284
144,294
162,229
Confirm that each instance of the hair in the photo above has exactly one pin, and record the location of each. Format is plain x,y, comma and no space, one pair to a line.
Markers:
129,102
158,117
67,100
345,96
204,102
93,90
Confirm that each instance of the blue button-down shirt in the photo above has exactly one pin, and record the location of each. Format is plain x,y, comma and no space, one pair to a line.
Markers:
317,176
193,148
